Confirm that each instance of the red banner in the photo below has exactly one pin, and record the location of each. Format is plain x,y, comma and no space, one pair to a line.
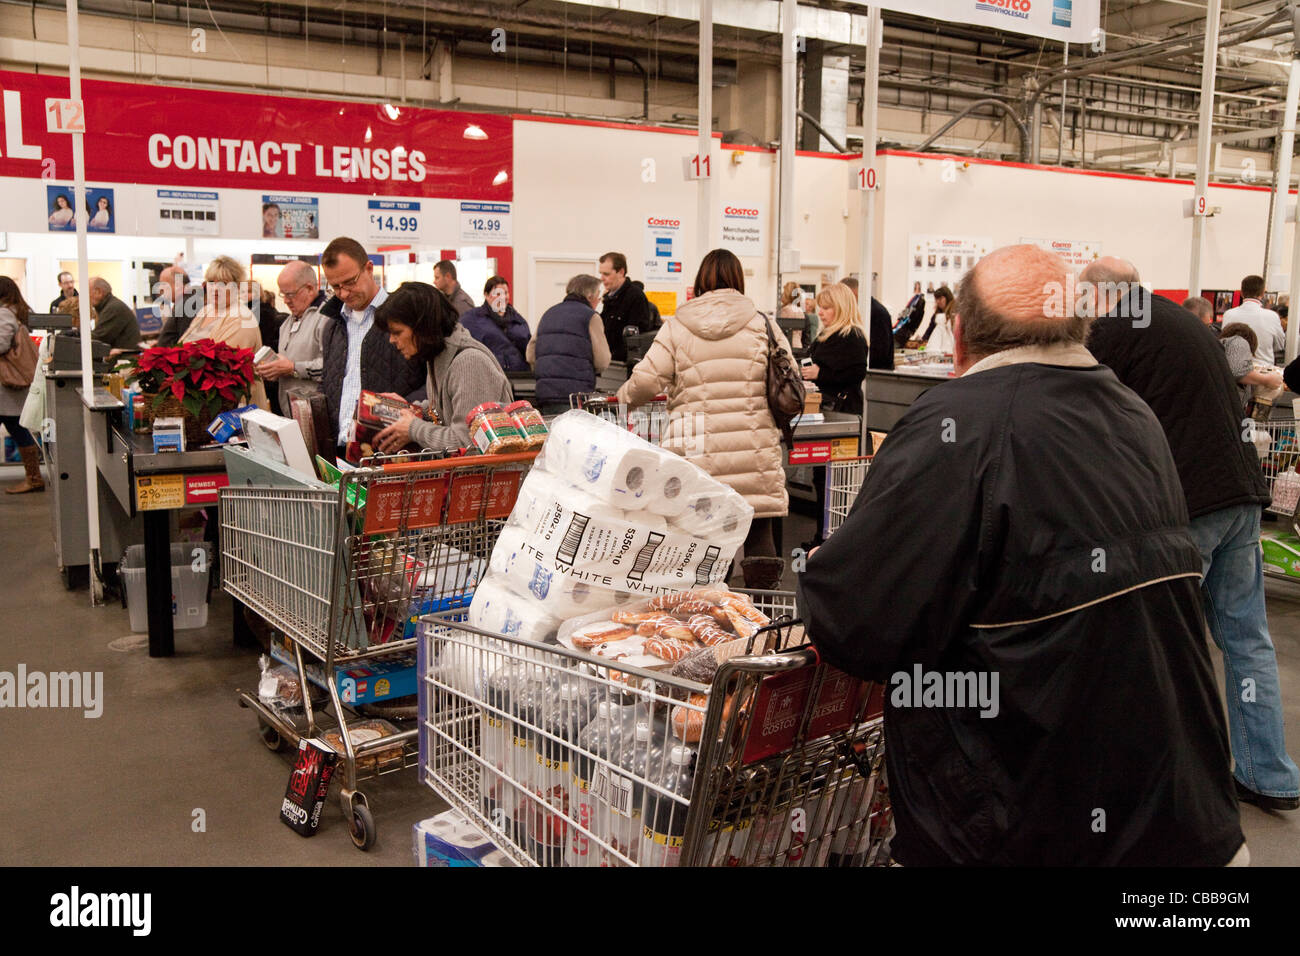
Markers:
178,136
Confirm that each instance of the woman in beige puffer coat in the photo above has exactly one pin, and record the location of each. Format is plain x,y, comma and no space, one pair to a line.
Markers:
710,359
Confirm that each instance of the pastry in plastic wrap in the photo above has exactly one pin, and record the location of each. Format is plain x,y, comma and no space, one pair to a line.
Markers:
362,731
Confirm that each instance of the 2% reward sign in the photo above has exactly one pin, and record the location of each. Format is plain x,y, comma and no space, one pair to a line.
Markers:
393,219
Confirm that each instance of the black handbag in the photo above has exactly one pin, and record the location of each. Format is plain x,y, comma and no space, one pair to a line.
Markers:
785,388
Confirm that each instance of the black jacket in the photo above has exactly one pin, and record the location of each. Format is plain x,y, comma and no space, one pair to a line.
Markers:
1178,367
910,321
59,300
1027,522
626,306
841,362
881,353
383,369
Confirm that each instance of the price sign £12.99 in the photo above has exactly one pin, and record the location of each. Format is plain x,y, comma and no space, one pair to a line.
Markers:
393,219
485,223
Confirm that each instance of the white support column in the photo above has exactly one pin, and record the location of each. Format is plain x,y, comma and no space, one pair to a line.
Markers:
1273,265
704,215
870,123
786,254
83,283
1209,62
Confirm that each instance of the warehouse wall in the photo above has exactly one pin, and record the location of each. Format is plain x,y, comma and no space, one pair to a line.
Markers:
1137,218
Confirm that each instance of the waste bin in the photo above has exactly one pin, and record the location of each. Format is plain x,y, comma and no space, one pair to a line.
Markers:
191,567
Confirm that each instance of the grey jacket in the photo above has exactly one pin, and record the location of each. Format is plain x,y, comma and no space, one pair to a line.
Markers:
460,300
463,376
300,340
12,399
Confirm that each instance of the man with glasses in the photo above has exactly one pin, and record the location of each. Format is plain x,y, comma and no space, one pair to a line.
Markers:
357,356
297,367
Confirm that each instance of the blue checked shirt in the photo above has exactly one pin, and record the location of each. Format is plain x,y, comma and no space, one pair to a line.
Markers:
357,327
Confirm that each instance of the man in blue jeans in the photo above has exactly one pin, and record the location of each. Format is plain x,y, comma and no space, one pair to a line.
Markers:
1177,366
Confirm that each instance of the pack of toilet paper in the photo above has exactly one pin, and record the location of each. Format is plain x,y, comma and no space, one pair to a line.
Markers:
602,518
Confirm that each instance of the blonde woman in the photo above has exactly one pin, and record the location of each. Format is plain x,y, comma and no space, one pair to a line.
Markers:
839,353
225,317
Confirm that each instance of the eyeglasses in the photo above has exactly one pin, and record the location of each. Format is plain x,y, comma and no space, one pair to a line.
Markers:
350,283
286,296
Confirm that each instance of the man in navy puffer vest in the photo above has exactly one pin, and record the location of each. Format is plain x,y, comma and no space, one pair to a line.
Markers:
569,349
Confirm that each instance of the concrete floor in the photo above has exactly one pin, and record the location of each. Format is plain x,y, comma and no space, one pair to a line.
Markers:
123,789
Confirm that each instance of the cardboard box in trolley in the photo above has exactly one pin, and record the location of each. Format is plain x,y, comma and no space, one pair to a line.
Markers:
309,784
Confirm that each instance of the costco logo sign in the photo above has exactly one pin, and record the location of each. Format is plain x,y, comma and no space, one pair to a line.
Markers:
736,212
1011,8
674,223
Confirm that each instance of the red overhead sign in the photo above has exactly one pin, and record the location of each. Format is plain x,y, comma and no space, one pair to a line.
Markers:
180,136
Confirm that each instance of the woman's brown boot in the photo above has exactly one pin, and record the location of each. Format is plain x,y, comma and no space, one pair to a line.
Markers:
33,482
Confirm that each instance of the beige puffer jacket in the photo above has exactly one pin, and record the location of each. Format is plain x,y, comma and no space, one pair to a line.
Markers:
710,359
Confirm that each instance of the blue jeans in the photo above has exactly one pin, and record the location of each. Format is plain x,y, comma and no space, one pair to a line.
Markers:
1233,586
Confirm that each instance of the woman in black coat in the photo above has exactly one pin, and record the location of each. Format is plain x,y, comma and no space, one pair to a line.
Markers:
839,353
839,364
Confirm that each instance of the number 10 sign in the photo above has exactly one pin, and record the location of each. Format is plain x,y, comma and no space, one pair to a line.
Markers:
485,223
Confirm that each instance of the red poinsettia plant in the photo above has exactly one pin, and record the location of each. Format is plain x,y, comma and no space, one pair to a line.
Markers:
204,376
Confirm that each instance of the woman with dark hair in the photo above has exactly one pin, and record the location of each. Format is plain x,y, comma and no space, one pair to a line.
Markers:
13,322
498,325
463,374
61,211
711,361
101,215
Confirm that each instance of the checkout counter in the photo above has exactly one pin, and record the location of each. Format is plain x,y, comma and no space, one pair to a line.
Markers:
152,486
65,456
891,393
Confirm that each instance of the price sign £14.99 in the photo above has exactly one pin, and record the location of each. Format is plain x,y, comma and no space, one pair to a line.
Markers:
485,223
393,219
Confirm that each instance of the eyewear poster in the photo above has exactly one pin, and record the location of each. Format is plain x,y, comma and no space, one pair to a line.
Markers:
100,211
290,217
935,261
1076,252
188,212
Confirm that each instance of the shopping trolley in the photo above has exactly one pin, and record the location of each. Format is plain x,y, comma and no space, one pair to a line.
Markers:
844,478
1278,444
779,761
344,574
647,421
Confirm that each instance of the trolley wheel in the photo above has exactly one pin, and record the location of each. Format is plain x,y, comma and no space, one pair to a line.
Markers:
271,737
362,827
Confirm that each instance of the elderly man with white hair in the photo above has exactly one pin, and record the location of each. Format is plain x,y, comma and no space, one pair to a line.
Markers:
297,366
1049,698
1176,365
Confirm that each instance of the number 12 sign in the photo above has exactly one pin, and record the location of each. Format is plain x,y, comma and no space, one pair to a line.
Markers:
65,116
